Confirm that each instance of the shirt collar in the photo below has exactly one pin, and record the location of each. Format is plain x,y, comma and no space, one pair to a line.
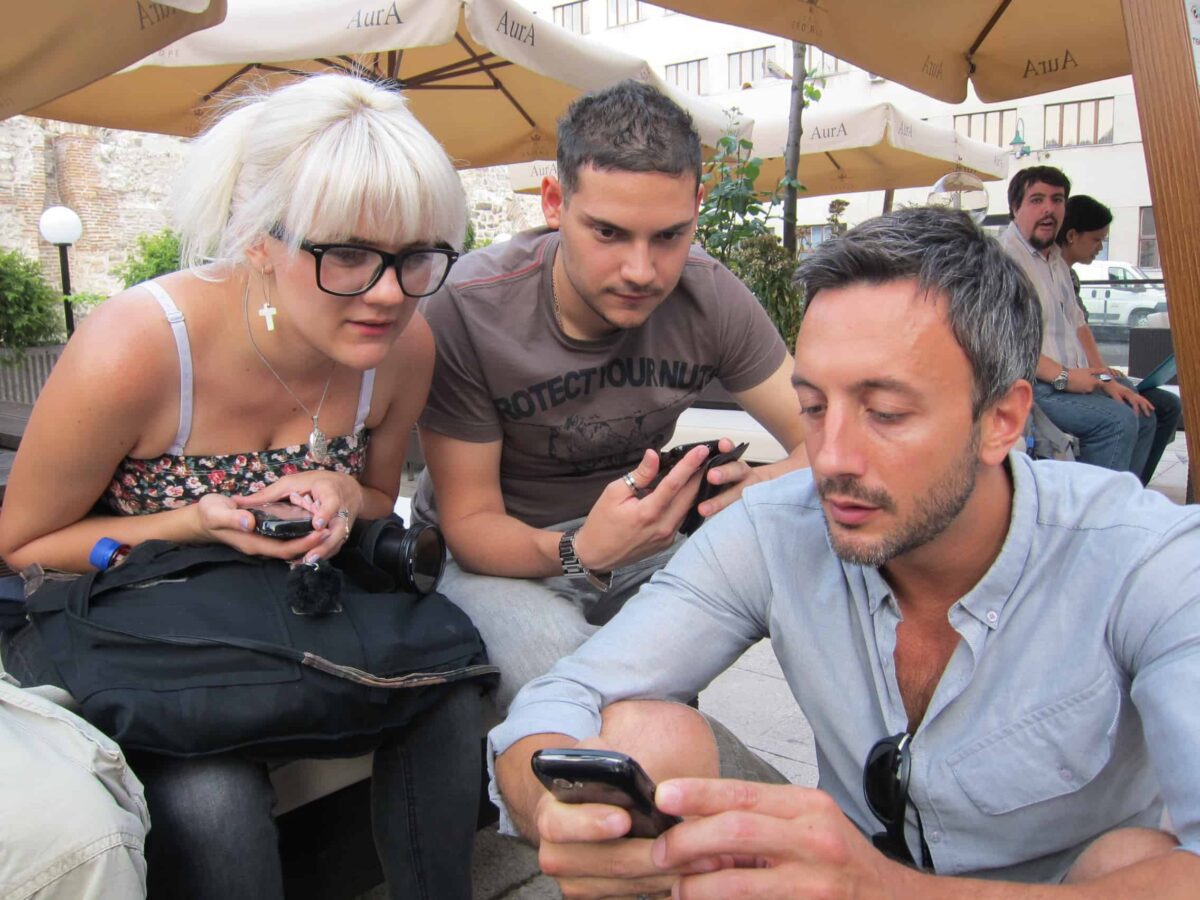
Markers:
1055,251
987,599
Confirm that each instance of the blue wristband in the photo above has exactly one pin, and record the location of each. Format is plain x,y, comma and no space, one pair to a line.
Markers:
102,554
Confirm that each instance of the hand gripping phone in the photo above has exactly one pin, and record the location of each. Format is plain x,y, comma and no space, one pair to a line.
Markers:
603,776
282,521
667,460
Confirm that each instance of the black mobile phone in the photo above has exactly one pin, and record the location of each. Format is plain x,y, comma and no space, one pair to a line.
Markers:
667,460
282,521
603,776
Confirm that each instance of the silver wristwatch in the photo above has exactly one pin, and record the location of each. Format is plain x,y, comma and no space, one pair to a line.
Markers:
1060,383
573,568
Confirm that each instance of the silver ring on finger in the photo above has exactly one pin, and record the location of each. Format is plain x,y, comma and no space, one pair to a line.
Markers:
631,483
344,515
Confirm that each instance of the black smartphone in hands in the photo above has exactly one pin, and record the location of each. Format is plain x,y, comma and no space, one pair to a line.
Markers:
667,460
603,776
282,521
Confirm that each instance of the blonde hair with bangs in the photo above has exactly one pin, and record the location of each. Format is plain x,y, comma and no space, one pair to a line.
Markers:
329,157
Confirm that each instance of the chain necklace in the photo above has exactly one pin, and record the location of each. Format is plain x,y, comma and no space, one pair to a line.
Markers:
554,296
318,443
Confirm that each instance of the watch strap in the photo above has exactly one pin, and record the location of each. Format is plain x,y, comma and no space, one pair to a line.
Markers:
573,568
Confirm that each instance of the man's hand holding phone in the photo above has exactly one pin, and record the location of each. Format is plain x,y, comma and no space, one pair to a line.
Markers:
596,797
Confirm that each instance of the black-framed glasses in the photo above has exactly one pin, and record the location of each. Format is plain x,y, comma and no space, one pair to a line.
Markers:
351,269
885,786
347,270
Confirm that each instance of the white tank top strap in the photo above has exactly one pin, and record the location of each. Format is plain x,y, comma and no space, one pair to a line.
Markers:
184,348
364,400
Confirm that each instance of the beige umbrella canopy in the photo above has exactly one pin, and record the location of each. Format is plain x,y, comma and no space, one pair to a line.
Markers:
1007,48
487,77
50,48
869,149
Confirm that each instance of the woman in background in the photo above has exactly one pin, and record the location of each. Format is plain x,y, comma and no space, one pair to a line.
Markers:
1081,237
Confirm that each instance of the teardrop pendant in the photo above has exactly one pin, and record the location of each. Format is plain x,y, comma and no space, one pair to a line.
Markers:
318,445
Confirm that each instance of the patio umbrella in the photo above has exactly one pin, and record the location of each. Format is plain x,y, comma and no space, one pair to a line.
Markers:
486,77
48,49
873,148
1007,48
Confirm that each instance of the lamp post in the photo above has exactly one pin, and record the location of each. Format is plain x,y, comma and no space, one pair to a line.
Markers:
61,226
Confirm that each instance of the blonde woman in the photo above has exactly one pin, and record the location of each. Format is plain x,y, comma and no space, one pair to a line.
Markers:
287,363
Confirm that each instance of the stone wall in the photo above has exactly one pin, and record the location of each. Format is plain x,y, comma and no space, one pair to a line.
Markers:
119,183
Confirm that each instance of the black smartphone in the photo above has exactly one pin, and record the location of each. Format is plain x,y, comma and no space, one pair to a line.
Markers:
282,521
603,776
667,460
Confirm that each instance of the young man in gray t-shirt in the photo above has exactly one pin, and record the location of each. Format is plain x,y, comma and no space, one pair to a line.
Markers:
565,357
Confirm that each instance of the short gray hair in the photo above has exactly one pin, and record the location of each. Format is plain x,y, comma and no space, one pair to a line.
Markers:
327,158
992,308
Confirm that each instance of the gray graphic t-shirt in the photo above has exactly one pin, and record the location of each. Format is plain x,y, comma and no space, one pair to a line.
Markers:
575,415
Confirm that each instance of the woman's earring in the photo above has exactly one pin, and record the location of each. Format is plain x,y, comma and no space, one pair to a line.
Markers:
267,311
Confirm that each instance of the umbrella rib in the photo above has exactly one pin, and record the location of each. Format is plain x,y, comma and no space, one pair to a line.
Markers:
829,156
457,69
266,67
496,81
987,29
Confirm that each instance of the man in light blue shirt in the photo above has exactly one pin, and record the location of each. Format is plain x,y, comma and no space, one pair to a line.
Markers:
1009,649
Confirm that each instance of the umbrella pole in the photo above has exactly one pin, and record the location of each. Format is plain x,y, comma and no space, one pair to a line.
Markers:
1168,101
889,197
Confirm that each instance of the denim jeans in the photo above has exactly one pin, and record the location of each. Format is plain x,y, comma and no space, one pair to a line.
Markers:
529,624
213,835
1110,433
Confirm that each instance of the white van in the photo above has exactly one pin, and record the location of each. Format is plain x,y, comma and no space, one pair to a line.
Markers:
1117,304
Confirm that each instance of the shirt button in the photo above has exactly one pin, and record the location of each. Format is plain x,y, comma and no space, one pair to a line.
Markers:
992,617
933,836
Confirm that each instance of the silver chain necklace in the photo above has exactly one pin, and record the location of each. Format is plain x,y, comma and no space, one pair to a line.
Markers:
318,443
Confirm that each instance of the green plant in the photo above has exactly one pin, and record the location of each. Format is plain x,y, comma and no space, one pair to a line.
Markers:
155,254
766,268
734,225
732,210
30,312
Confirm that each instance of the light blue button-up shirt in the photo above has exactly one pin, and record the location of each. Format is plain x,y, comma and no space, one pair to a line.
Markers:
1070,707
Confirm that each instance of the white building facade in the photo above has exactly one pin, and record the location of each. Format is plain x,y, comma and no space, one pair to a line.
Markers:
1091,132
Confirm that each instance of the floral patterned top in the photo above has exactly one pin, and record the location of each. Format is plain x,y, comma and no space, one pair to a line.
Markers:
142,486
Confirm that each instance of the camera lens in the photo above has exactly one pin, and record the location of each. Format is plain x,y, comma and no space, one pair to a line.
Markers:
424,557
413,557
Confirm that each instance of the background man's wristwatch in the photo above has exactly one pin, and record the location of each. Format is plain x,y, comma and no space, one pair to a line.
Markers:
1060,383
573,568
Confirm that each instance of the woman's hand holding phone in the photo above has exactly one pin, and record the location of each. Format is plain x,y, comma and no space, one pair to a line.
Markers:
222,519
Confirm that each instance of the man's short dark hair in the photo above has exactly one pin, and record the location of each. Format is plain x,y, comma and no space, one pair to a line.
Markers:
1024,178
992,308
1084,213
628,127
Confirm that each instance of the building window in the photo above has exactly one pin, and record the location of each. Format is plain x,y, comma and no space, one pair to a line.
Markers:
995,127
570,17
749,65
821,64
688,75
1148,240
1079,124
622,12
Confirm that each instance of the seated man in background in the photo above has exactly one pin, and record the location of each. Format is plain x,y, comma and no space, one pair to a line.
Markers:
1083,233
997,657
564,357
1114,423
